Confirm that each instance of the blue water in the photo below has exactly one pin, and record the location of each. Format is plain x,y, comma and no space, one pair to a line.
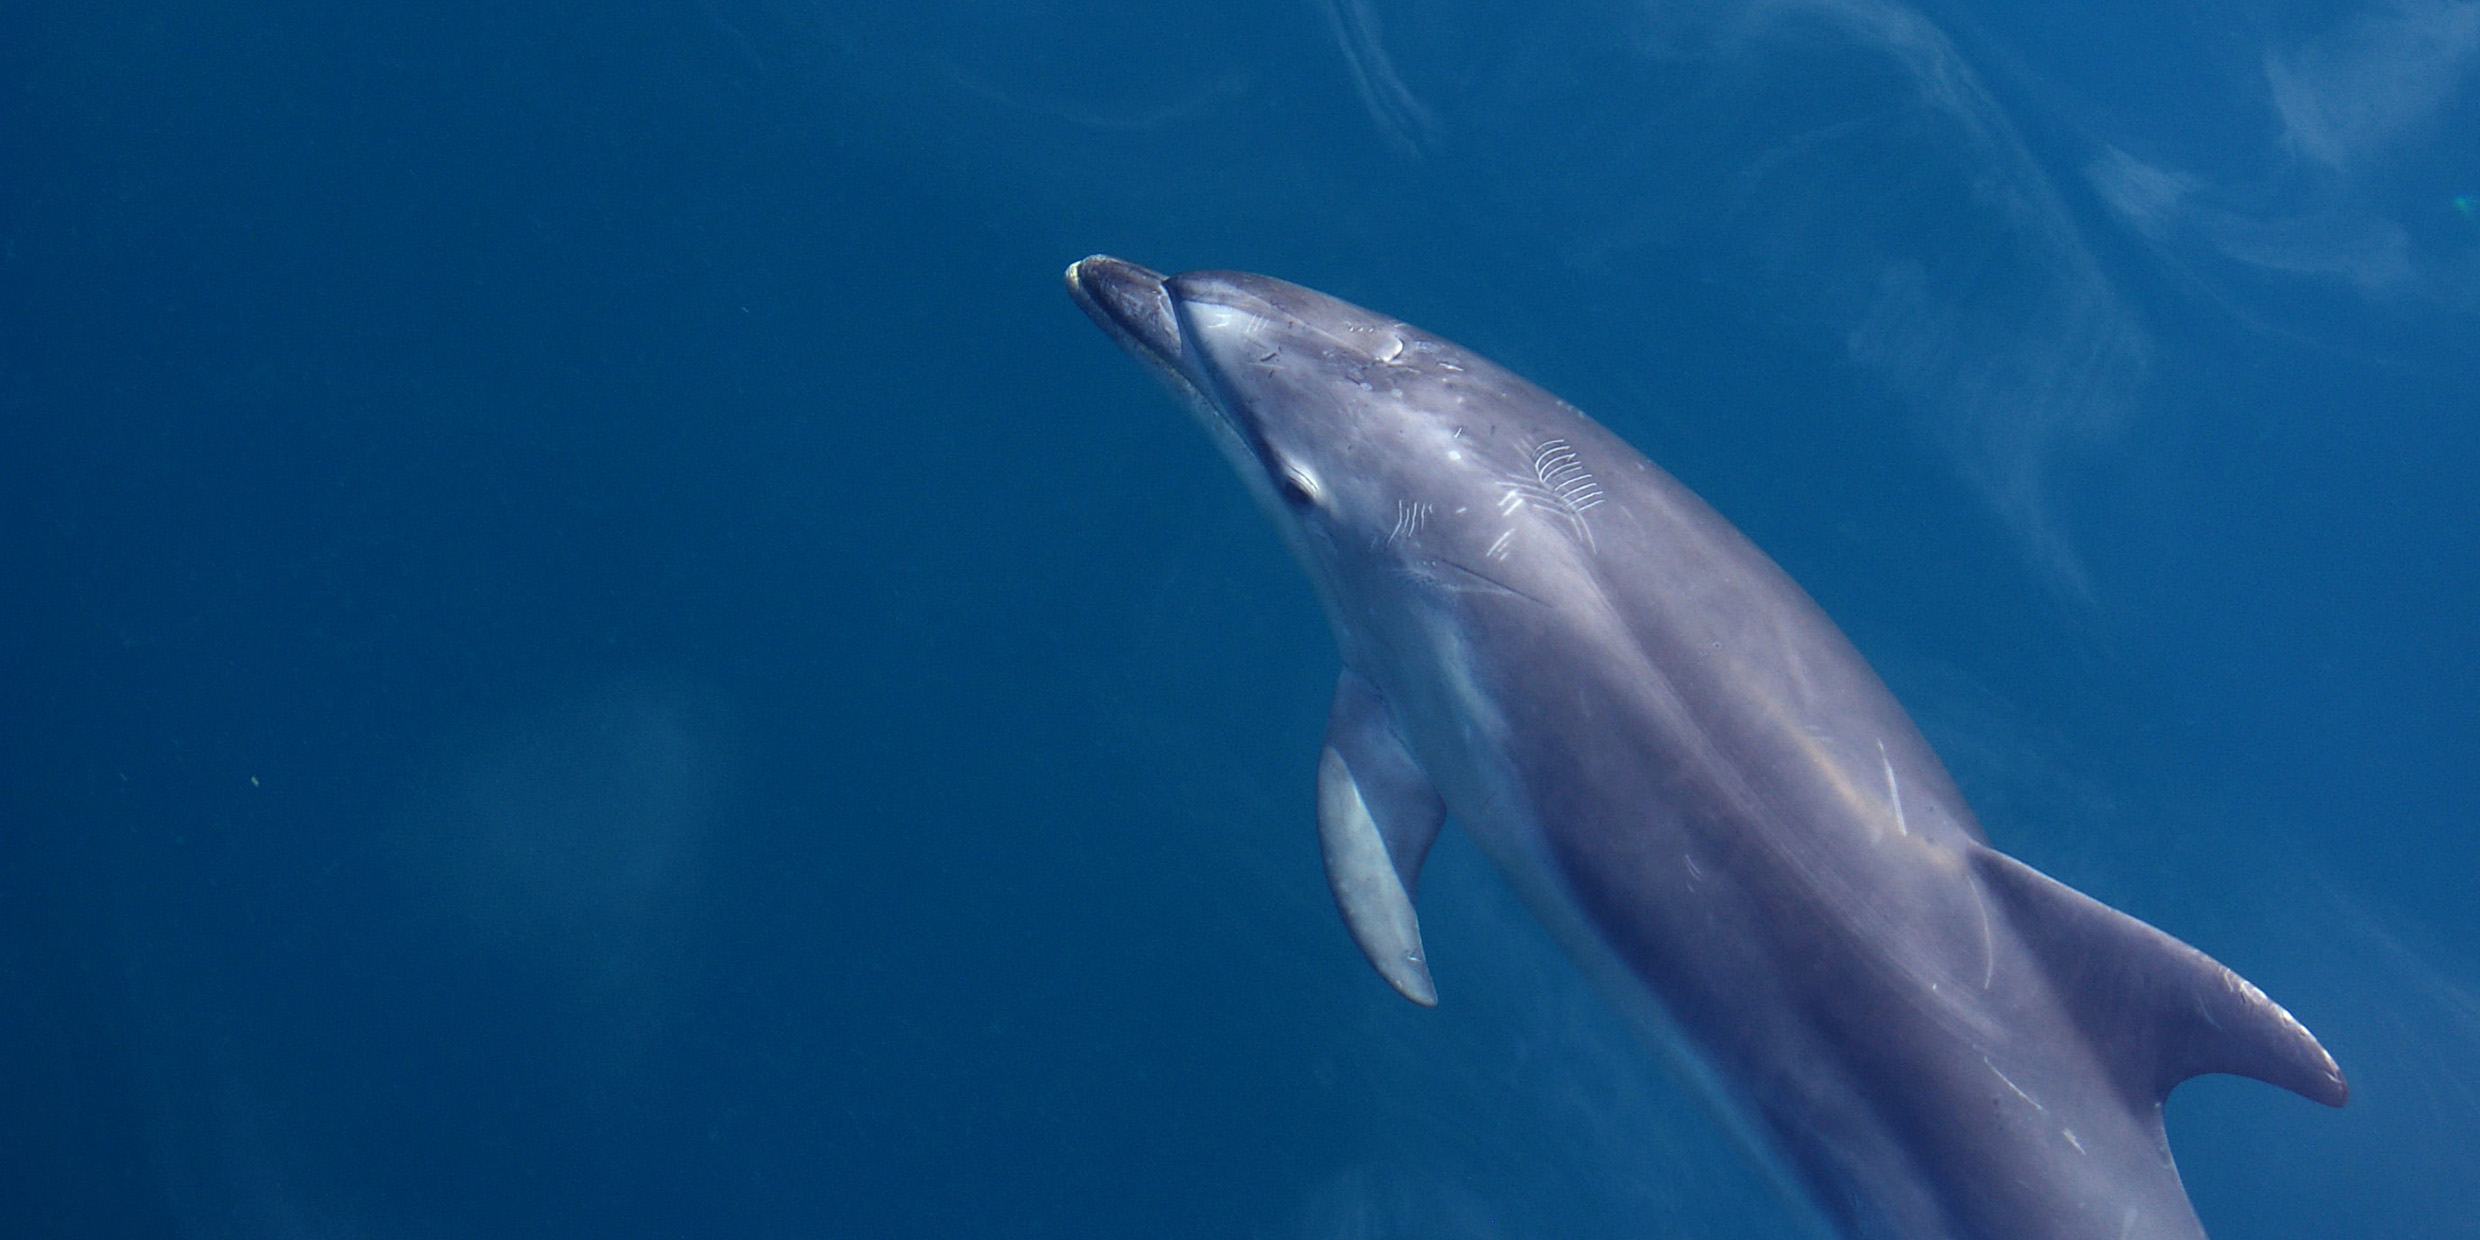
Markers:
591,647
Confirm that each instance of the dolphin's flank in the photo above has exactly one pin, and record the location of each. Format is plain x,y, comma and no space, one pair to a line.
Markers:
1695,781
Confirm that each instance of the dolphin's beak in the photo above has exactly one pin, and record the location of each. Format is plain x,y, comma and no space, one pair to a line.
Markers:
1131,304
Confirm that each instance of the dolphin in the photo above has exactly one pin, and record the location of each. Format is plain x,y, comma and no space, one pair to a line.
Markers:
1696,783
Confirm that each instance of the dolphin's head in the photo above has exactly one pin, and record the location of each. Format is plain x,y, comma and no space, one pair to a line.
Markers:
1266,367
1374,445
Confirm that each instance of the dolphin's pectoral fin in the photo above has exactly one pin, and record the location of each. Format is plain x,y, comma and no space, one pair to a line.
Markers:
1377,908
1377,816
2156,1010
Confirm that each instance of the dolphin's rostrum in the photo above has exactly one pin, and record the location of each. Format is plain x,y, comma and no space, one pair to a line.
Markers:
1696,782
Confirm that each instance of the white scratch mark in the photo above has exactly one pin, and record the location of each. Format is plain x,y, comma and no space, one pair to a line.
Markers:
2070,1135
1410,516
1989,946
1498,548
1563,474
1893,791
1510,502
2019,1092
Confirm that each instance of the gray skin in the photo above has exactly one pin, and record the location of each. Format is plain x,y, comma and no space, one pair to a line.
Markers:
1696,783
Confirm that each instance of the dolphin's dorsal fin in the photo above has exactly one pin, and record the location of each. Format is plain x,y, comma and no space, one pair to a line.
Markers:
1377,816
2156,1010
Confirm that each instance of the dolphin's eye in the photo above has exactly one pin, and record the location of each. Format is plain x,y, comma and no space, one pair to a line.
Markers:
1300,488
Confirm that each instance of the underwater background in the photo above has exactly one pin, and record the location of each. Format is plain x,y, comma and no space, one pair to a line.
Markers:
589,644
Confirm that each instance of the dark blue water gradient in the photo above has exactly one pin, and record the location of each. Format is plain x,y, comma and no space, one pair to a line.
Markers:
592,647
